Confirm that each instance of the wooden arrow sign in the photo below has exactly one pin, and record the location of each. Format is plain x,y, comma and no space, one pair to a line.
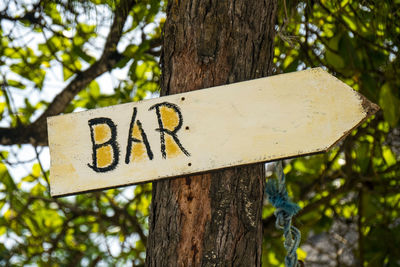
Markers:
260,120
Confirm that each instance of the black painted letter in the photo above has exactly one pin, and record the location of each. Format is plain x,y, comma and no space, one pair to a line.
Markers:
139,138
169,121
105,154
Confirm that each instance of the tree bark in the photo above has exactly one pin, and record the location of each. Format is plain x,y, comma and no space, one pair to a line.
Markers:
212,219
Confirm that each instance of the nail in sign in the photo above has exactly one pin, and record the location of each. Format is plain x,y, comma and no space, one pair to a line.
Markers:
260,120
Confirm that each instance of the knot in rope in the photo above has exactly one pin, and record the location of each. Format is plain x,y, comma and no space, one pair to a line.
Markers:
285,210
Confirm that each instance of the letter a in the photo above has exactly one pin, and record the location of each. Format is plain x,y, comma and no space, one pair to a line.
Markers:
137,141
105,153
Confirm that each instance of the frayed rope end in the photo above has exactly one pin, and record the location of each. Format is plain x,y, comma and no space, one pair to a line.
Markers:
285,210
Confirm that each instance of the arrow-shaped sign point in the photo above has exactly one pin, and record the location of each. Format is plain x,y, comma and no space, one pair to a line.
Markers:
260,120
368,108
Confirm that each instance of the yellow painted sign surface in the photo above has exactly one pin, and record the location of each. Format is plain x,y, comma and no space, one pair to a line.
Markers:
260,120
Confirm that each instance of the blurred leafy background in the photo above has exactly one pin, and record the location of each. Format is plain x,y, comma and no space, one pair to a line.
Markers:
350,196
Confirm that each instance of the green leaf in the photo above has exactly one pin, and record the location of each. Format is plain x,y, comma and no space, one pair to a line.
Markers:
6,179
94,89
16,84
44,49
51,10
3,230
36,170
369,87
38,189
85,28
390,105
122,63
130,50
363,156
29,178
13,53
348,53
2,106
350,22
82,54
334,59
334,42
388,155
71,64
67,73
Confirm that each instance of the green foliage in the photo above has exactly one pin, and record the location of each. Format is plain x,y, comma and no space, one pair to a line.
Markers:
44,47
356,184
353,190
48,231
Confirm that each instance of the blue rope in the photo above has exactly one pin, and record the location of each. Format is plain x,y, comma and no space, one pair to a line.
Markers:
285,210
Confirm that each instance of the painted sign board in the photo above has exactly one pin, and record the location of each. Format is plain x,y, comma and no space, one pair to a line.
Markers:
260,120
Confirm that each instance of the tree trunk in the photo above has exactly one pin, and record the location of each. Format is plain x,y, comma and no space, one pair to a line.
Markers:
212,219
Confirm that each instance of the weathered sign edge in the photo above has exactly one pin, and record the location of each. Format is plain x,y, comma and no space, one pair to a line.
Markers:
369,108
189,92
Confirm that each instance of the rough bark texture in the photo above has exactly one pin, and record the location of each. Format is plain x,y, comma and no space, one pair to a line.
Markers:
213,219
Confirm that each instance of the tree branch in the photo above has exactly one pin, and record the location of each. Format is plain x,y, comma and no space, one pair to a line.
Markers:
36,132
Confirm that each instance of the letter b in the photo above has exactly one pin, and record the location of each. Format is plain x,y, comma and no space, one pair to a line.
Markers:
105,152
